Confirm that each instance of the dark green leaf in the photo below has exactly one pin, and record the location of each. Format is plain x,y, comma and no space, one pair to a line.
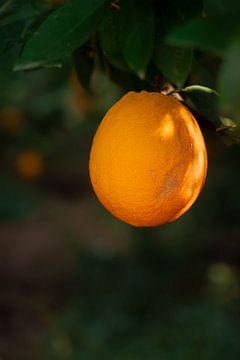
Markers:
126,80
173,62
205,101
223,9
108,38
203,35
205,70
229,80
84,64
171,13
20,10
136,34
61,33
10,35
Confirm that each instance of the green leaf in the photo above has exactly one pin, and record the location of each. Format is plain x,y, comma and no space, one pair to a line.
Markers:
10,35
222,9
61,33
172,13
14,11
108,38
201,34
84,64
10,44
127,80
229,80
136,34
205,101
173,62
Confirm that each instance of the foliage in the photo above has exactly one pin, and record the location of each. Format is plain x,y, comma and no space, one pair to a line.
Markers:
147,40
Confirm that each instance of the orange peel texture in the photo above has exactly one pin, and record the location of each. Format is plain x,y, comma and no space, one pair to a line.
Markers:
148,160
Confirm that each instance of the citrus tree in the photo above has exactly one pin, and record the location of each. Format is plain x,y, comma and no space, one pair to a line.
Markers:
189,47
183,288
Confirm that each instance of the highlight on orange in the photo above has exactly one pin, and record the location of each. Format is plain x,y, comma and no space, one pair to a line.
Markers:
29,164
148,160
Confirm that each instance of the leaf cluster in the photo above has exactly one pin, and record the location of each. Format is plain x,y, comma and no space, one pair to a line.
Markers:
192,47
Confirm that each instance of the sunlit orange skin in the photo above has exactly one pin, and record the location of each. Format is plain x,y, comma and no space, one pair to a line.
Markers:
148,160
29,164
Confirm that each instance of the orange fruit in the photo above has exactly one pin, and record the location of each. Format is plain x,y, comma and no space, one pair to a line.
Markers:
148,159
30,164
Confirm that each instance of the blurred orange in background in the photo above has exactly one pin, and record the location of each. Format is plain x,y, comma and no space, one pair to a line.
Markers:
29,164
11,120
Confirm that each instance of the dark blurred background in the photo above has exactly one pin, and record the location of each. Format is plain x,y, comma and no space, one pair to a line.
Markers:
75,283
